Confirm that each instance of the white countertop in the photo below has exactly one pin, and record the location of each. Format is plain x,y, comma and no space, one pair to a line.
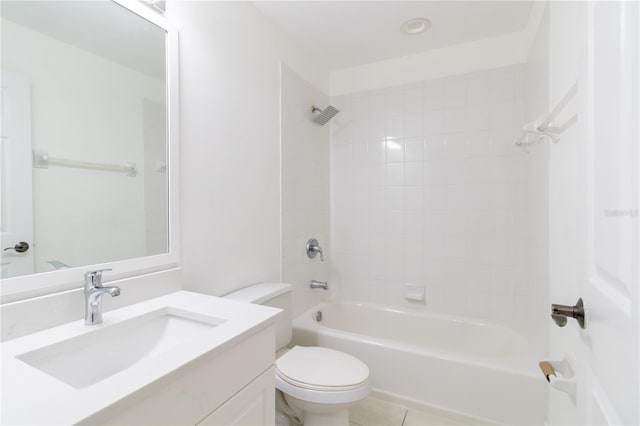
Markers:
30,396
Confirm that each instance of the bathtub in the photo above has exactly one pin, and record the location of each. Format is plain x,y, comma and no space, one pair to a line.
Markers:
475,369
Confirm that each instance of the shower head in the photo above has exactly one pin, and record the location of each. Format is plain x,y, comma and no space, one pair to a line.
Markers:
322,116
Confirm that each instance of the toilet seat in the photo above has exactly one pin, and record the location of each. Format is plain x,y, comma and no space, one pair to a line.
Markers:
322,375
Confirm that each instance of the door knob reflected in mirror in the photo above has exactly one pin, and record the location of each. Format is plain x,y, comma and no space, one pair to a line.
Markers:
560,313
20,247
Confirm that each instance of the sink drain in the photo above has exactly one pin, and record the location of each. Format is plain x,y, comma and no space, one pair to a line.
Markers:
319,316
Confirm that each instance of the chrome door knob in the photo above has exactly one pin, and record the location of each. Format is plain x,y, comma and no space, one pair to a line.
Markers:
560,313
20,247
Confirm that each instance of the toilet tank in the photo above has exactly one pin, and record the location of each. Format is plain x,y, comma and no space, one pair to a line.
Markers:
275,295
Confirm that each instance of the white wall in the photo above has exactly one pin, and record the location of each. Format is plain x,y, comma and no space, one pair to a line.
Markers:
428,188
156,203
536,221
230,57
305,190
76,98
464,58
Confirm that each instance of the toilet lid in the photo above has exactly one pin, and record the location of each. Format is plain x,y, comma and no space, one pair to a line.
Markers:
315,367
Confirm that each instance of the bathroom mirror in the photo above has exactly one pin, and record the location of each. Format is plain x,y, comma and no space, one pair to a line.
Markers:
85,140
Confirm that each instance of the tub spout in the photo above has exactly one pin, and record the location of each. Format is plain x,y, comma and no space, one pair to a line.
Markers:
319,284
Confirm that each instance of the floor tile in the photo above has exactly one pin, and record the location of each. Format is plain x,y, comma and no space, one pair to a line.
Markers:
419,418
376,412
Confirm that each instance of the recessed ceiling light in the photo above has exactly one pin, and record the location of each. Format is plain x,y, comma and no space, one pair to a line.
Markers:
415,26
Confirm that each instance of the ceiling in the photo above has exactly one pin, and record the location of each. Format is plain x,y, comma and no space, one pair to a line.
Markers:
101,27
343,34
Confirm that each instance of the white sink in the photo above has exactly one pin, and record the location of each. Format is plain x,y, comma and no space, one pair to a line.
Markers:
89,358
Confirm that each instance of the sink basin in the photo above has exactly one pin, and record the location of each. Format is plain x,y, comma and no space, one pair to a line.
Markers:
91,357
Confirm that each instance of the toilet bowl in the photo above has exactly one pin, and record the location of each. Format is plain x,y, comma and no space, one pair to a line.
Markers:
318,384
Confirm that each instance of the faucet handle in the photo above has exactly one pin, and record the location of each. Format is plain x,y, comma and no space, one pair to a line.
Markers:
94,278
313,248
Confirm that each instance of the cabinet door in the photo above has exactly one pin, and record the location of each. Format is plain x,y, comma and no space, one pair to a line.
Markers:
253,405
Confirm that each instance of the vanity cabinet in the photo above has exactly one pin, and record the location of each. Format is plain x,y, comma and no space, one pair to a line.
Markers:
231,387
253,405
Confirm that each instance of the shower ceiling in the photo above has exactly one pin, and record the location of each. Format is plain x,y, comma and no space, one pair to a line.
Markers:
348,33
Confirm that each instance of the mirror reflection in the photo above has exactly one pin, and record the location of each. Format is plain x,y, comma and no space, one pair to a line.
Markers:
84,136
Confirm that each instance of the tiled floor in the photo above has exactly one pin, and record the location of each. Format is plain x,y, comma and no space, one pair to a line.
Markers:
376,412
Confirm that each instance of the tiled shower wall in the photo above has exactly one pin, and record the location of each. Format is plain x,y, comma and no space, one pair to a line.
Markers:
428,188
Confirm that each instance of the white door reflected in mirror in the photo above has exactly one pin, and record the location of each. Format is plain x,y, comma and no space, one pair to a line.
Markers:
15,174
90,99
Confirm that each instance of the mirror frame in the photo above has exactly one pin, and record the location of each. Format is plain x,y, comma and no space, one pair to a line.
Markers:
38,284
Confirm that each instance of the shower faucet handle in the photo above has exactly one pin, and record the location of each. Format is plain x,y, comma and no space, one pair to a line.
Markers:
313,248
560,313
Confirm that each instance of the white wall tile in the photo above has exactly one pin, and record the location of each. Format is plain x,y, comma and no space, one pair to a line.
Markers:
377,105
341,155
395,127
414,265
395,101
456,145
478,90
455,120
413,125
445,199
413,174
413,222
445,222
502,85
413,249
502,114
395,174
395,198
478,117
413,198
479,143
341,133
377,130
359,153
377,174
433,96
456,93
376,152
394,230
360,130
433,122
413,98
394,151
435,148
444,172
413,149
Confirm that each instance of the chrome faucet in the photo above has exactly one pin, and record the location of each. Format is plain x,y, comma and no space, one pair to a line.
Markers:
93,292
313,248
319,284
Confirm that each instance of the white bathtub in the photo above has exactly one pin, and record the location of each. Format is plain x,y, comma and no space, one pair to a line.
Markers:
480,370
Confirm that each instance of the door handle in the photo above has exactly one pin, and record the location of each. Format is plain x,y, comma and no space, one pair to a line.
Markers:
560,313
20,247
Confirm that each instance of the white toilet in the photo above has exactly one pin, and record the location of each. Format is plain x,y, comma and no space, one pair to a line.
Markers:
319,384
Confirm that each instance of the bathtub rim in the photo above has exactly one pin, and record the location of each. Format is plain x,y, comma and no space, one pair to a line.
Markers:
527,365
